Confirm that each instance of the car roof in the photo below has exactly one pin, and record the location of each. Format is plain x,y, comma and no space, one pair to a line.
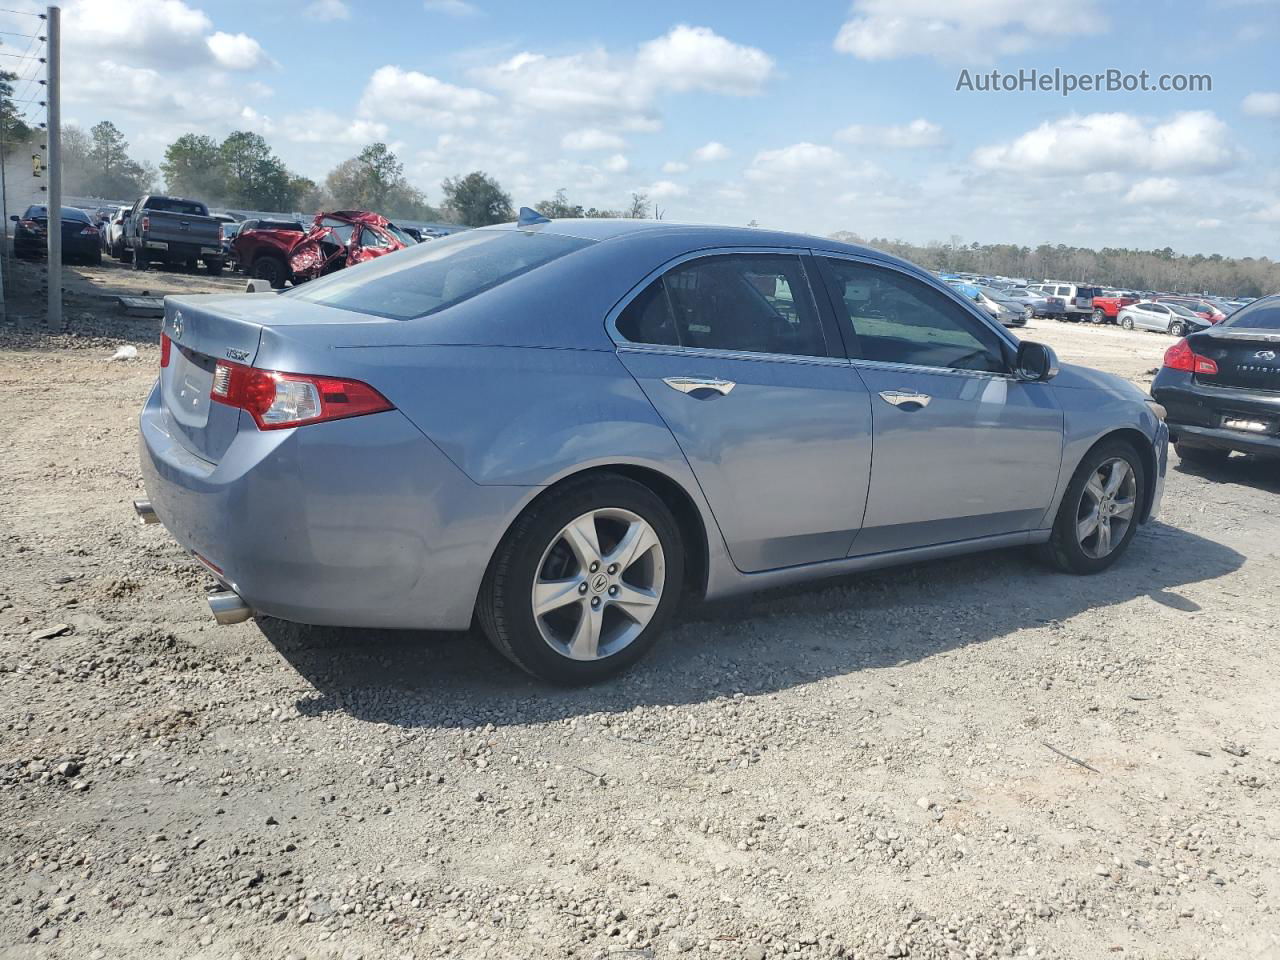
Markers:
613,228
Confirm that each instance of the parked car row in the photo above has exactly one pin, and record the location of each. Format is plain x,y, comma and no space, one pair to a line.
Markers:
81,240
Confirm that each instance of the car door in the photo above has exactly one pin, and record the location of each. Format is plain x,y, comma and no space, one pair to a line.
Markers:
734,354
962,448
1155,316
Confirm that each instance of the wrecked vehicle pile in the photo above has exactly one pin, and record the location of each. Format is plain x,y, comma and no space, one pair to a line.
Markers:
335,240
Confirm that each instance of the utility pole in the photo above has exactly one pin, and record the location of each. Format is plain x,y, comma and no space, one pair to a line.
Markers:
54,205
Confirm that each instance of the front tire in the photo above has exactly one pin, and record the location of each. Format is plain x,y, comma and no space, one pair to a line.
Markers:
271,270
585,581
1126,322
1178,329
1100,510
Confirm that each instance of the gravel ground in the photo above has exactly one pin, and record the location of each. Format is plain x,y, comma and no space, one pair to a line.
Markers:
970,758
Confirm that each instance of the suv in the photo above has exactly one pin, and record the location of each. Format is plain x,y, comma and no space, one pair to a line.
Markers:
1078,298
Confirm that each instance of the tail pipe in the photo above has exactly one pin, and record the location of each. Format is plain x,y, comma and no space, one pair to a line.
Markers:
227,607
146,513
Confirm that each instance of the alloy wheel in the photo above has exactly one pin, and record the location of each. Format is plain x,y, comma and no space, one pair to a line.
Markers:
1106,508
598,584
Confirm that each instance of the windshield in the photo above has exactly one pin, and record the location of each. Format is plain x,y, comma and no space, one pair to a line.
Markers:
1259,315
400,235
428,277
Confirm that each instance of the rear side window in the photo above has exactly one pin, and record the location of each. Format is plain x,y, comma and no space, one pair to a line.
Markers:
428,277
746,303
173,205
1259,315
899,319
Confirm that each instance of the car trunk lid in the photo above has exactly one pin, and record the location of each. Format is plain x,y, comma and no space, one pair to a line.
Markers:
1248,359
206,329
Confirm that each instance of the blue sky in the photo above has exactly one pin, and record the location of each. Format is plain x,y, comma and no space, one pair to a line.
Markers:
815,117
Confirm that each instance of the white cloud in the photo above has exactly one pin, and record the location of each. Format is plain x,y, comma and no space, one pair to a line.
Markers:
1268,214
972,30
452,8
916,134
237,51
804,159
325,126
616,163
621,88
1154,190
394,93
698,58
1208,223
674,166
711,152
664,190
327,10
1192,142
591,138
1262,104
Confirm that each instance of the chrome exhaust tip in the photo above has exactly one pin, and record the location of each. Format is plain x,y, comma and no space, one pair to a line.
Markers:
145,511
227,607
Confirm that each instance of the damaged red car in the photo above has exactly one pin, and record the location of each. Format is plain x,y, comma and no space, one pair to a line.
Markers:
335,240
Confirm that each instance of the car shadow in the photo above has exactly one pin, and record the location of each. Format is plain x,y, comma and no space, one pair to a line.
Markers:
1259,472
751,645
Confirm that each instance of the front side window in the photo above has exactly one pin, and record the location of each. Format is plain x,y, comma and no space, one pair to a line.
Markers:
371,238
746,303
899,319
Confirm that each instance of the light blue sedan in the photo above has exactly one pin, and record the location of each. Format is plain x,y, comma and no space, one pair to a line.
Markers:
558,429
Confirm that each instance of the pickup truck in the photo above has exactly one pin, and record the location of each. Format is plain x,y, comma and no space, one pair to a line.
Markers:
173,230
1108,306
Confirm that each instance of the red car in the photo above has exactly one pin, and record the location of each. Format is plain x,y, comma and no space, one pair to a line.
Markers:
277,253
1201,308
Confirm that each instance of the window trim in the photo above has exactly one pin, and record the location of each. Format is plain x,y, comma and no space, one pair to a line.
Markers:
1006,339
836,354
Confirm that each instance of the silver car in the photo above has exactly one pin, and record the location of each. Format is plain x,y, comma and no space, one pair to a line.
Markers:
1172,318
558,429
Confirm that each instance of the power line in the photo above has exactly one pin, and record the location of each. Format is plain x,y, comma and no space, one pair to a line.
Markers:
25,13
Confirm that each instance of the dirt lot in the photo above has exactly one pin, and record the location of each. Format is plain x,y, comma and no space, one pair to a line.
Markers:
972,758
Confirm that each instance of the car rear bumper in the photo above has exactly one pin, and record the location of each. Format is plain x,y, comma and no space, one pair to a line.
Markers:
1200,414
360,522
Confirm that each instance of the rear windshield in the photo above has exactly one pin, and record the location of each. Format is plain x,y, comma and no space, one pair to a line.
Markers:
173,205
1259,315
431,276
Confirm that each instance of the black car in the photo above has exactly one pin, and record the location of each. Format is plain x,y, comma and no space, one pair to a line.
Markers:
1221,386
81,240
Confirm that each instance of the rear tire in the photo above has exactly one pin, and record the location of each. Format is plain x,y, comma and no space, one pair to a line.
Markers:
1178,329
1074,545
214,267
545,547
1099,316
139,261
1126,322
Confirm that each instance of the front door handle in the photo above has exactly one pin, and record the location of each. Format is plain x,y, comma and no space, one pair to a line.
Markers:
905,398
690,384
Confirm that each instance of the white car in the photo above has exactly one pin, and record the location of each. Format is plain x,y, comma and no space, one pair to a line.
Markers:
115,231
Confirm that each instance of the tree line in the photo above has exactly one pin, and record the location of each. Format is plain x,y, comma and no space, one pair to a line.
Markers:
242,172
1126,269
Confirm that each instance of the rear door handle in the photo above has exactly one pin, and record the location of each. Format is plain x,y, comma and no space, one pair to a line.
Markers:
690,384
900,398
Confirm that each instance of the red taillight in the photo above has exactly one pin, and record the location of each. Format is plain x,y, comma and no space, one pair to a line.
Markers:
277,400
146,224
165,346
89,232
1181,357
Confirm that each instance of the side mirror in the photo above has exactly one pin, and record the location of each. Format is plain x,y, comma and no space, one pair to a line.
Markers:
1035,362
13,217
